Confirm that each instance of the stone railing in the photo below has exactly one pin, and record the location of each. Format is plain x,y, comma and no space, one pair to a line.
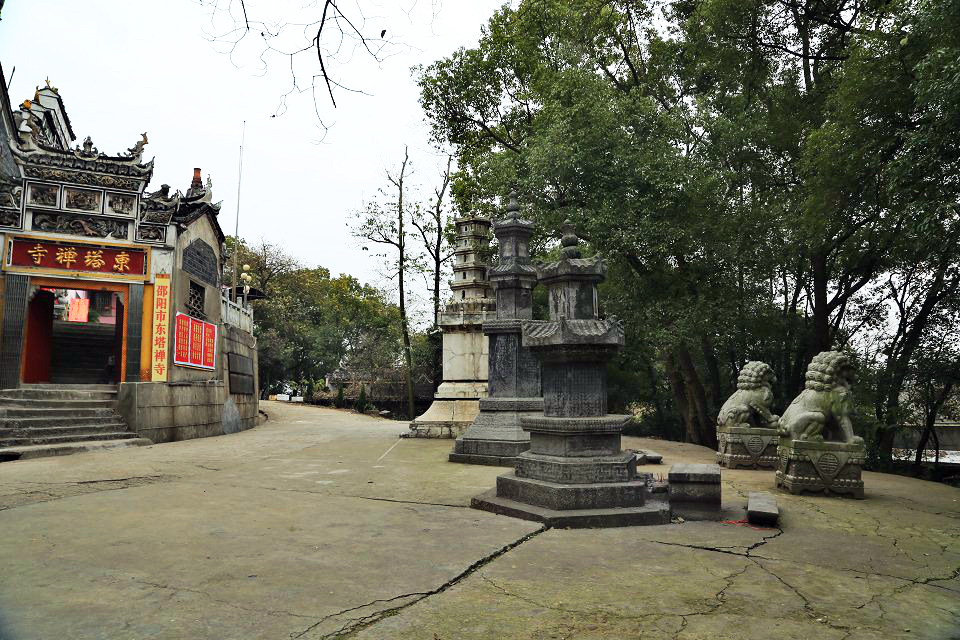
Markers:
235,314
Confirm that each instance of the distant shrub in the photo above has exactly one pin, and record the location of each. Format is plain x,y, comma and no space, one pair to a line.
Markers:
361,404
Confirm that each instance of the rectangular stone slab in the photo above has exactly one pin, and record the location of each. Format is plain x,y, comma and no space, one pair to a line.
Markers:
649,457
696,473
762,509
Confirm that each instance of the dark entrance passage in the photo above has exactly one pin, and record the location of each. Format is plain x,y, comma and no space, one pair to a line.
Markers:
74,336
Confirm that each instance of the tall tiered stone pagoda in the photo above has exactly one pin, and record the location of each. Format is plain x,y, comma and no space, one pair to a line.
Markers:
456,403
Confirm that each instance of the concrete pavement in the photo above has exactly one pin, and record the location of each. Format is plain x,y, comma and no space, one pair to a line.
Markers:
322,524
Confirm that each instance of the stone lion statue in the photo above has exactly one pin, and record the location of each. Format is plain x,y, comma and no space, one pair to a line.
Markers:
823,409
749,406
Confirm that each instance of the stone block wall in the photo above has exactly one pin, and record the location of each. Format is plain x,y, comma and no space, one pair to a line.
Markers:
239,366
186,409
167,412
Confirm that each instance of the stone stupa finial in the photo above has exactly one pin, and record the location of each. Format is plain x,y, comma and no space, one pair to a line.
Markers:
513,207
570,241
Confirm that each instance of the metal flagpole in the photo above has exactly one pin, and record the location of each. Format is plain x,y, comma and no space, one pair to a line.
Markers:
236,228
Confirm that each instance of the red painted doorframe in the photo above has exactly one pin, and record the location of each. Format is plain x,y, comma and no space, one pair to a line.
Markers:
87,285
39,339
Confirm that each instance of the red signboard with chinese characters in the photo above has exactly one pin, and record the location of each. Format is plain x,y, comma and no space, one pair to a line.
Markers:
196,343
161,320
70,256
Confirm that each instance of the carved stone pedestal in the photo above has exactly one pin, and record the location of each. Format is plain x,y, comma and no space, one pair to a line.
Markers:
495,437
747,447
821,467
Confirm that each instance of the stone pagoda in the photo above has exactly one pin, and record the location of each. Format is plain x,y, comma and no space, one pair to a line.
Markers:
495,437
575,473
456,402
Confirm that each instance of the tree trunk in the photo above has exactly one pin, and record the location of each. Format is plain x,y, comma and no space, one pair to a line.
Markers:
717,395
404,325
821,311
704,421
899,365
680,398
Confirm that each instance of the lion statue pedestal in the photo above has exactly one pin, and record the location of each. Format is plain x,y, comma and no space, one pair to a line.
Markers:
818,451
746,430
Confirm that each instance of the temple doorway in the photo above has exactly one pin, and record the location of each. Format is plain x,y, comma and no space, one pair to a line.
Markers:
74,335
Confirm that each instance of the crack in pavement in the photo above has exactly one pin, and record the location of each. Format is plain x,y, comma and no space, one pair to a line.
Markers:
354,625
71,489
174,589
432,504
347,495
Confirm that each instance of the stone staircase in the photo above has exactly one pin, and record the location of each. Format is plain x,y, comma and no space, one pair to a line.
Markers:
80,352
40,420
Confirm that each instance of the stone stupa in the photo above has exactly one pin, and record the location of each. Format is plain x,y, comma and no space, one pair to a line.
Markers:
575,474
496,437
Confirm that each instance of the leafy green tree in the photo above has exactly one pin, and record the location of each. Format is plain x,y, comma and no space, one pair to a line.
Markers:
753,170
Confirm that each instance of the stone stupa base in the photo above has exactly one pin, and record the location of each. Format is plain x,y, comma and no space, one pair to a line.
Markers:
821,467
653,511
446,418
747,448
495,437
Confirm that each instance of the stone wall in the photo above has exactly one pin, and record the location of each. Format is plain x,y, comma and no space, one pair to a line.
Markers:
186,409
170,411
239,366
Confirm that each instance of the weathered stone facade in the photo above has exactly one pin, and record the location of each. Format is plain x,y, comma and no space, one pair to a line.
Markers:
496,437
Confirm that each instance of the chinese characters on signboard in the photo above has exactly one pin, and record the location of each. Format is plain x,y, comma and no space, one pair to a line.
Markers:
161,323
118,261
196,343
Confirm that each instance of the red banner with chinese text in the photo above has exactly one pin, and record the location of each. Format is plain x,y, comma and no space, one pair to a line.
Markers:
161,320
25,252
196,343
182,354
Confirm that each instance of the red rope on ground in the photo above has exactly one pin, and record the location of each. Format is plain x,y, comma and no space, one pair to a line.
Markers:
746,523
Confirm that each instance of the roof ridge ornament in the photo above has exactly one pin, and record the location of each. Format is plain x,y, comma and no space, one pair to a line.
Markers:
136,151
88,151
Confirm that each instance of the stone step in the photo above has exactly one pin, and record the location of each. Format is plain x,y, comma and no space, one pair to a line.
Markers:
33,403
62,449
762,509
57,392
6,443
55,421
71,387
114,425
56,412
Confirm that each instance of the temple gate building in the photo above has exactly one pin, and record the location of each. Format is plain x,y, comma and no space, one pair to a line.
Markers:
111,294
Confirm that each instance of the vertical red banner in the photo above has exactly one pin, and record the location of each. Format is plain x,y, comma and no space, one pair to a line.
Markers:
182,355
196,342
209,345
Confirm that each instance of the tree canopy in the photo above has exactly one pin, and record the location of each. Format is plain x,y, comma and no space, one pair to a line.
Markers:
769,178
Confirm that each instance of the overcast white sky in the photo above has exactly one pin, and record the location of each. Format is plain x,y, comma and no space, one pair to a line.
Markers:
128,66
